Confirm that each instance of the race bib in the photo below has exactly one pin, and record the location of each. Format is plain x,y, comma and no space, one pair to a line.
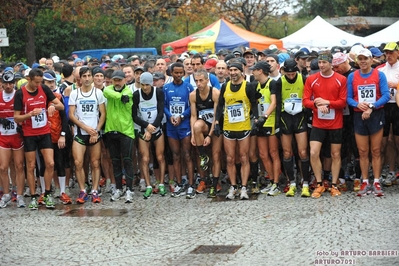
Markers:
293,106
40,120
206,115
149,113
366,93
88,108
235,113
328,116
177,108
11,129
392,92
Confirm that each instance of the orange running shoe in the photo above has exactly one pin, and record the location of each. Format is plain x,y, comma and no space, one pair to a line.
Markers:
201,187
65,199
342,187
95,198
41,199
356,185
318,191
103,181
334,191
82,197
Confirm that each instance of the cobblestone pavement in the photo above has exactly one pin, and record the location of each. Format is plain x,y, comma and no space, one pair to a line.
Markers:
165,231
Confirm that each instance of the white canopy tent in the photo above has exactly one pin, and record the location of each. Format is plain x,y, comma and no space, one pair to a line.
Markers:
320,33
389,34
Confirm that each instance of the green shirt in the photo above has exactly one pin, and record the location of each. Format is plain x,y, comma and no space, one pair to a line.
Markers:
119,115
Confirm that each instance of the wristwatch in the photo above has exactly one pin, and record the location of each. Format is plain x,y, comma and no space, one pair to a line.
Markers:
266,116
182,117
371,106
63,133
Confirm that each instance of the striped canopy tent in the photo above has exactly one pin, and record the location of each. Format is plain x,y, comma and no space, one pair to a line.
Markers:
220,35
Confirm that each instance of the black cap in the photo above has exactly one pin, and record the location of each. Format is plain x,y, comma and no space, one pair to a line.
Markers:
290,65
118,74
237,51
8,77
137,68
159,75
222,52
336,49
301,54
264,66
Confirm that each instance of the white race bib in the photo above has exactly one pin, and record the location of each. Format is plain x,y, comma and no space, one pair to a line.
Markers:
149,113
10,129
40,120
366,93
206,115
177,108
392,92
293,106
329,116
88,108
235,113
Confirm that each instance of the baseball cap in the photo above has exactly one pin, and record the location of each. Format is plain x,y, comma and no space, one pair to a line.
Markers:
375,52
158,75
237,52
193,52
301,54
339,58
139,68
146,78
210,63
391,46
281,57
264,66
337,49
365,52
222,52
249,51
118,74
26,73
8,77
290,65
47,76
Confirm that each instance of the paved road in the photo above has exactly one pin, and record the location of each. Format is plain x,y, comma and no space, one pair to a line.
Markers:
168,231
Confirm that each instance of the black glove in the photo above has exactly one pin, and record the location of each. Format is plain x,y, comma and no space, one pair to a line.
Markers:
125,99
254,128
261,121
5,122
20,131
217,131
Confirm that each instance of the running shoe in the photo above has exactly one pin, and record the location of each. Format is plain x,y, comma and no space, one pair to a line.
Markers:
287,187
204,159
172,186
57,193
27,192
102,181
178,191
201,187
388,180
243,193
13,196
318,191
155,189
356,185
190,193
142,185
162,190
147,193
326,184
255,189
49,202
33,205
377,189
232,193
20,202
334,191
82,197
5,200
95,198
274,190
116,195
291,191
266,189
129,196
212,192
305,192
342,187
65,199
365,189
108,188
41,199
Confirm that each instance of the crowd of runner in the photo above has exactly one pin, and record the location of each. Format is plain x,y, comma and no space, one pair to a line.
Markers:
182,125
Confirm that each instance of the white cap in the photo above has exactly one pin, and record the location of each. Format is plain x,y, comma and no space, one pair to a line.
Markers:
365,52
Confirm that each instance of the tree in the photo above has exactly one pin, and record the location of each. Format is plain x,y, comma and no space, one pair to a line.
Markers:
25,10
251,14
